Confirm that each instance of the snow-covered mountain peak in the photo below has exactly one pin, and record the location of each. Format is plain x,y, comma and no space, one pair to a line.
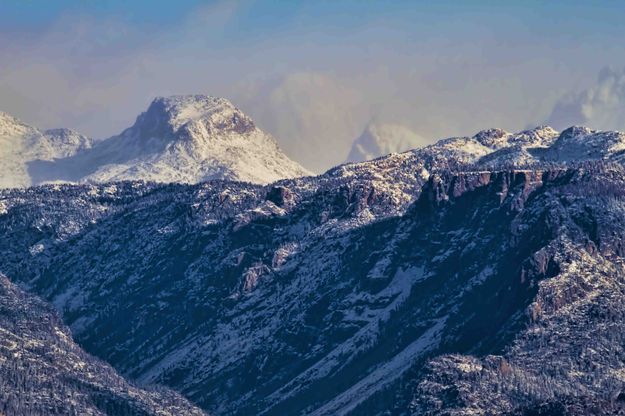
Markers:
8,118
185,138
543,131
12,126
606,141
540,136
67,141
166,115
575,131
22,145
494,138
182,138
582,143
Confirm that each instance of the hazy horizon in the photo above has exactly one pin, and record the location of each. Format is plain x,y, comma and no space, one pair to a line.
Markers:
315,74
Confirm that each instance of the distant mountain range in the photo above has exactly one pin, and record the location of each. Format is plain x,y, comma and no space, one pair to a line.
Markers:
194,138
380,139
477,275
184,139
496,148
20,144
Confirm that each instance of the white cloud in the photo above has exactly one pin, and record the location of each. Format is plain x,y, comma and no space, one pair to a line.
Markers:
602,106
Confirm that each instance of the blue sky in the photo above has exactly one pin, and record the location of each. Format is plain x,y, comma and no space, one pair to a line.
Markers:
266,18
315,73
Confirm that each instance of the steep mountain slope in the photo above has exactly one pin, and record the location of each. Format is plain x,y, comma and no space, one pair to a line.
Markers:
569,358
307,297
381,139
42,371
21,144
186,139
354,292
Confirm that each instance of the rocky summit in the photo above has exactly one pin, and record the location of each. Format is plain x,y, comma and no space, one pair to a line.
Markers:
479,275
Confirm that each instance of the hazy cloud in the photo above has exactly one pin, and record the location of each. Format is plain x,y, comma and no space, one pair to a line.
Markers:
314,74
316,115
602,106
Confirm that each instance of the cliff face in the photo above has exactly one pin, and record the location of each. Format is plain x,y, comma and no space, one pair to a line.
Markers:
553,364
447,185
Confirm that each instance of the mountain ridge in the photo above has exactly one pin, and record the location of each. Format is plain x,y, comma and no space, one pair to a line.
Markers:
186,138
349,293
251,309
21,144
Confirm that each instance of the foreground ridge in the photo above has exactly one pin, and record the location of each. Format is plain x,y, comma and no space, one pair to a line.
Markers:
365,279
42,371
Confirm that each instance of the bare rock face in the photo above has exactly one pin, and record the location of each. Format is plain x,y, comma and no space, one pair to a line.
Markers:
573,314
446,186
281,196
